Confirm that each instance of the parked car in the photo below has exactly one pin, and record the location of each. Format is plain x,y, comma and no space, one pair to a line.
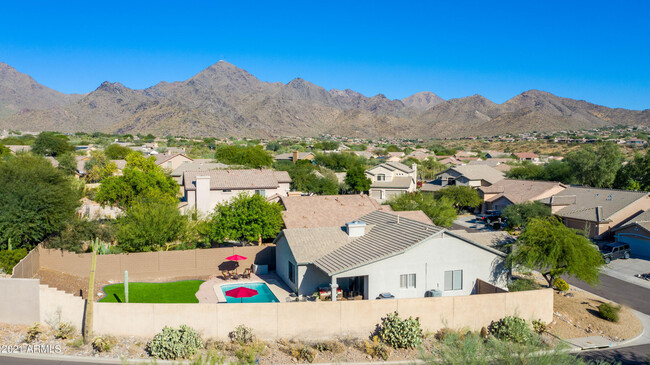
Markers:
613,251
490,216
645,276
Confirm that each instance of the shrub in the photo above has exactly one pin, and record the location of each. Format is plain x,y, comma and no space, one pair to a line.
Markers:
77,343
242,335
9,259
175,343
331,346
103,343
539,326
33,333
560,285
303,353
523,284
609,311
512,329
248,354
400,333
376,349
211,358
64,331
445,333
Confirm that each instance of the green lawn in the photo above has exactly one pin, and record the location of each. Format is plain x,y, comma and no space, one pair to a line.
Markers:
174,292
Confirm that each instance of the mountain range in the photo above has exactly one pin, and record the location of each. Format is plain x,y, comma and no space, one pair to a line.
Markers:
224,100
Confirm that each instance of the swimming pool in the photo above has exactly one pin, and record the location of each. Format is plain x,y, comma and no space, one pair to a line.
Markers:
265,295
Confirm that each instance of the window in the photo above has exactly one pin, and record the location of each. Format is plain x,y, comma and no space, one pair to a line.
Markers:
227,190
407,281
260,192
292,272
451,181
381,177
454,280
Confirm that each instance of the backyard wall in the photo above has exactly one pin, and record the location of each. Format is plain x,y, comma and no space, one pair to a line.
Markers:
307,320
146,266
28,266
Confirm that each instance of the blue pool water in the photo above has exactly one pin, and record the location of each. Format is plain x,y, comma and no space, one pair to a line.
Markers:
265,295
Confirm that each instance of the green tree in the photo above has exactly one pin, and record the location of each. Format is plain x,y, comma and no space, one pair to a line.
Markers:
99,167
304,178
558,171
273,146
461,196
357,180
117,152
518,214
441,211
141,178
36,200
526,171
67,163
149,224
4,151
51,144
246,218
548,246
250,156
635,175
596,167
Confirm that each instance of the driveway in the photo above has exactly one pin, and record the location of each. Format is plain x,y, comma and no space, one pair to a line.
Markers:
471,222
634,296
626,269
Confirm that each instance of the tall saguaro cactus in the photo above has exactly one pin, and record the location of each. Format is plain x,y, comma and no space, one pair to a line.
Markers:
90,296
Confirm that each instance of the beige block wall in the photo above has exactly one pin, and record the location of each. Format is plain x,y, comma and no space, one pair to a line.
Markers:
28,266
19,301
53,302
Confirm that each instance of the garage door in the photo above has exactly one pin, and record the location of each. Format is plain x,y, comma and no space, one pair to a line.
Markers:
639,246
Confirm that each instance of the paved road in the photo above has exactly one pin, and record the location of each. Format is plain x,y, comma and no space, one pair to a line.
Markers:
620,291
635,355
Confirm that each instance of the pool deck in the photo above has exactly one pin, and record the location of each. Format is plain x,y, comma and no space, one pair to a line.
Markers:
210,291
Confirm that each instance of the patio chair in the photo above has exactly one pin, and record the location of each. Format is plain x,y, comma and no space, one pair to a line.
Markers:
225,275
246,274
234,275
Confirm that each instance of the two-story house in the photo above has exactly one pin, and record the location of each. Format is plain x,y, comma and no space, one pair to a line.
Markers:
391,178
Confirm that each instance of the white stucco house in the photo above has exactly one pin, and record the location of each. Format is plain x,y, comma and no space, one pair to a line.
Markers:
391,178
381,253
203,190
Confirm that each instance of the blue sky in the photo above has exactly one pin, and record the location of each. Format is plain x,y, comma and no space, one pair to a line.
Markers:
596,51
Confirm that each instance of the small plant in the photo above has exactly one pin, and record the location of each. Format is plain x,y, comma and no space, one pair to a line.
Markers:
330,346
242,335
103,343
65,331
303,353
539,326
484,333
248,354
376,349
33,333
400,333
447,333
523,284
175,343
609,311
512,329
211,358
560,285
76,343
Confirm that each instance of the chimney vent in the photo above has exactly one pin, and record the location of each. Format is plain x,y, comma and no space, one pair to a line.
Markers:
355,229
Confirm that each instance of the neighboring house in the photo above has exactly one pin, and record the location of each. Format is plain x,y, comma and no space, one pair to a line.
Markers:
506,192
495,163
366,154
496,154
449,160
597,211
335,210
382,253
203,190
171,161
636,142
391,178
294,156
421,155
120,164
636,233
527,156
196,165
469,175
494,239
93,210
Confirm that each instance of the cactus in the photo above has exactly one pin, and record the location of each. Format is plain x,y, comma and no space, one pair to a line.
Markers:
9,245
90,296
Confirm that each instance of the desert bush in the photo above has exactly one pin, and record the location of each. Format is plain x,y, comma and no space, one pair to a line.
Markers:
330,346
539,326
303,353
609,311
9,259
376,349
211,358
523,284
400,333
242,335
175,343
447,332
103,343
64,331
248,354
560,284
512,329
77,343
33,333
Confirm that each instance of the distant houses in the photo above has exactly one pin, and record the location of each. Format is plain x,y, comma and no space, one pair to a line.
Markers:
465,175
391,178
510,191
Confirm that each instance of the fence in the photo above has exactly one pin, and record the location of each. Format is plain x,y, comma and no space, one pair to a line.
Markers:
308,320
144,266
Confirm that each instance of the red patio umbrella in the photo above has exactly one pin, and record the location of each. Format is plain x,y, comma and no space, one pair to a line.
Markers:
241,292
236,258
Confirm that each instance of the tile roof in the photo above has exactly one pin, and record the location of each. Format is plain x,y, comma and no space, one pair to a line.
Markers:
525,155
162,158
392,166
386,238
519,191
289,155
479,172
197,165
489,239
237,179
591,204
398,182
308,245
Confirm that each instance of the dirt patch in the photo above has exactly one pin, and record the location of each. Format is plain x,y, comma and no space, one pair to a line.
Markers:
70,284
576,315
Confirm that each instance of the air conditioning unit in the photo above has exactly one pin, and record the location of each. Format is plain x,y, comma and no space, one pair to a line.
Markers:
433,293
